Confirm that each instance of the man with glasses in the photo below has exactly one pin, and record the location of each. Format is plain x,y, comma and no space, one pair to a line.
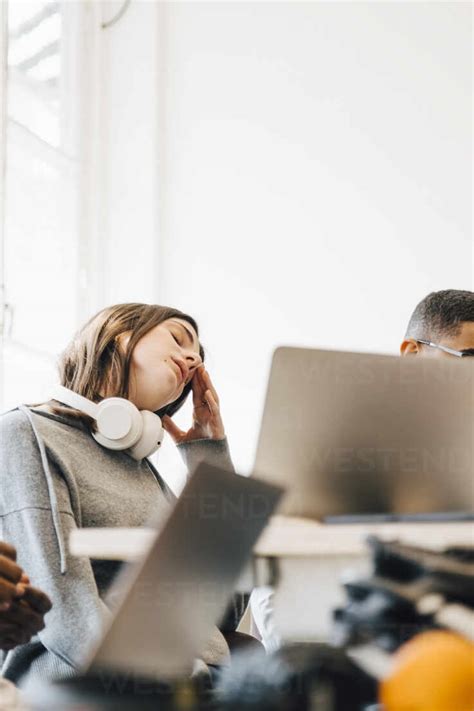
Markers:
441,326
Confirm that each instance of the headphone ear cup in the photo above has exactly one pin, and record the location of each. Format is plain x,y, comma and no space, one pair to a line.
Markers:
119,424
151,436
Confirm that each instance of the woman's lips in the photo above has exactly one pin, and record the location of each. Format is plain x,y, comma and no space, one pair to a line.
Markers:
182,370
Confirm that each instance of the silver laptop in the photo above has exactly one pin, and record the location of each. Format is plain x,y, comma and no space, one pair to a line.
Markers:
355,435
171,600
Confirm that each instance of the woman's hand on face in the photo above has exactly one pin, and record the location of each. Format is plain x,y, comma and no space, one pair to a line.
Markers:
207,420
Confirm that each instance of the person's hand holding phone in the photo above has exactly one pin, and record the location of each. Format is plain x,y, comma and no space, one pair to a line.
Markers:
207,420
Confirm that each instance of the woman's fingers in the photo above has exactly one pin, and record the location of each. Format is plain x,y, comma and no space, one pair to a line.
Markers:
172,428
216,425
209,386
198,387
211,403
203,384
201,410
207,421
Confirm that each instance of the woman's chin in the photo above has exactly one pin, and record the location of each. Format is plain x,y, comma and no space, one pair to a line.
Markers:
163,402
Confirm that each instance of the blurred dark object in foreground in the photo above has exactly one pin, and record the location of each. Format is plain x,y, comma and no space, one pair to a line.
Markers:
409,591
297,677
405,594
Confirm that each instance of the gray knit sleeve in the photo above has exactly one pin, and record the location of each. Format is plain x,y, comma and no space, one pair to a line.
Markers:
212,451
26,521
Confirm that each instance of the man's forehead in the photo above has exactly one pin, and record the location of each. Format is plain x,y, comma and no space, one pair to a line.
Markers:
465,337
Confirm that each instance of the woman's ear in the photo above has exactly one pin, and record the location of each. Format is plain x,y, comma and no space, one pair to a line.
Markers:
409,347
122,340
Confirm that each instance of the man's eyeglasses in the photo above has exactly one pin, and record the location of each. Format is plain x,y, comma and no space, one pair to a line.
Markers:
460,354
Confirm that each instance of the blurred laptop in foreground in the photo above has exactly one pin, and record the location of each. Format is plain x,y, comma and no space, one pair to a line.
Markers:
170,602
173,599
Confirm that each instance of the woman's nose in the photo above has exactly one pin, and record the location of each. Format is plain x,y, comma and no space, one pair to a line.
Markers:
193,360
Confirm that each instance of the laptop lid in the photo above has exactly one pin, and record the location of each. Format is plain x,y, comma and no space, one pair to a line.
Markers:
172,599
351,434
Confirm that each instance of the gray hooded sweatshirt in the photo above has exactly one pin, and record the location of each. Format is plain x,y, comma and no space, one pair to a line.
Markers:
54,478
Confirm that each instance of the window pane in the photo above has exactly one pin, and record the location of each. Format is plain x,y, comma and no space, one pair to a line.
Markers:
40,246
41,185
34,67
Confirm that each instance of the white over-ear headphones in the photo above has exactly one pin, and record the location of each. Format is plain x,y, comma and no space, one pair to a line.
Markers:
120,425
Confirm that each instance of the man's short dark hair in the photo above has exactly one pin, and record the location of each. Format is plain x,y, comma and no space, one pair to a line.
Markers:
441,314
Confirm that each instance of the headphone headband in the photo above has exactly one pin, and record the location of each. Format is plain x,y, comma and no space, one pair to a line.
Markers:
79,402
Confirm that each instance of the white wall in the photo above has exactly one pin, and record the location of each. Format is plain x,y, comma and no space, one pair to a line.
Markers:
313,167
126,159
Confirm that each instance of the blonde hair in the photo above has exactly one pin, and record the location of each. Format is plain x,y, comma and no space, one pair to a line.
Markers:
94,363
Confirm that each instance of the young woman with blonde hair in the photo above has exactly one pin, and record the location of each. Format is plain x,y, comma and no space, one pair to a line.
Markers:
55,475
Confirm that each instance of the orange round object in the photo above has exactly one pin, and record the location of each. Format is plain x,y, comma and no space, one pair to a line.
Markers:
434,671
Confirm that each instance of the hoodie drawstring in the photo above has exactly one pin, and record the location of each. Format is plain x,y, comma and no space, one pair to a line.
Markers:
51,491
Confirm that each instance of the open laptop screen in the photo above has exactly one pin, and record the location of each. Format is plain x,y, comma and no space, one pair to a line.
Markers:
357,435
